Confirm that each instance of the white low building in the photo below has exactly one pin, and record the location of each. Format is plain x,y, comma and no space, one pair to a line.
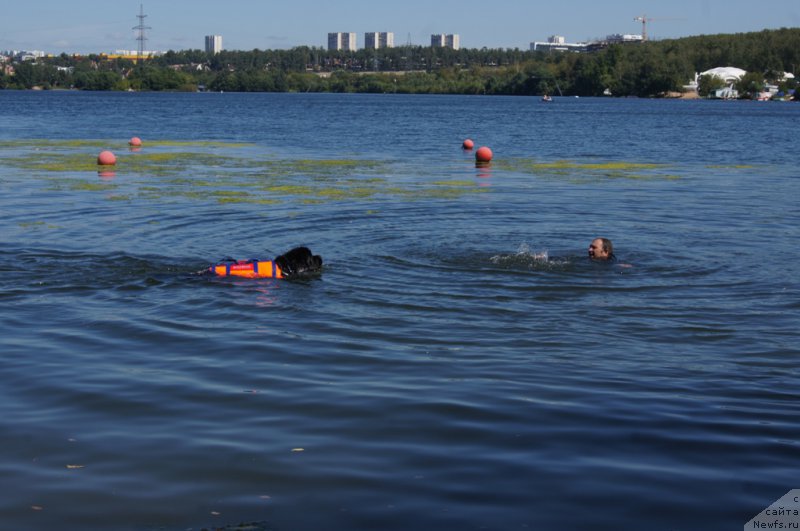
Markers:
559,44
729,74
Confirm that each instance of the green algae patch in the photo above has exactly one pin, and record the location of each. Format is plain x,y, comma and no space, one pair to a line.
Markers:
613,166
289,189
170,171
201,194
74,155
195,143
54,162
441,192
317,168
87,186
166,164
118,143
32,224
351,189
201,183
453,183
346,193
54,144
610,169
227,193
152,164
373,180
332,163
730,167
248,200
450,192
27,225
566,165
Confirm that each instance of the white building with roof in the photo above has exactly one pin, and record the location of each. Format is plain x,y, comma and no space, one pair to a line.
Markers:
617,38
558,43
729,74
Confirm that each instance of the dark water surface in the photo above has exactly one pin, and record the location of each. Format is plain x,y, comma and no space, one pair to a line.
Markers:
458,365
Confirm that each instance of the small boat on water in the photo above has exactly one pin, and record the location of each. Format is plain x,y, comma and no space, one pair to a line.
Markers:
547,98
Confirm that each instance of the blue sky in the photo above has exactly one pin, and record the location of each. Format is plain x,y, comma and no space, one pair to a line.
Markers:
87,26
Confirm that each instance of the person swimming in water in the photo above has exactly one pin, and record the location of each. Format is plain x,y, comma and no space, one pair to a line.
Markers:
601,249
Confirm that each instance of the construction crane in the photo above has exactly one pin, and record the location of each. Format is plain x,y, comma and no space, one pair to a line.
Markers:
644,20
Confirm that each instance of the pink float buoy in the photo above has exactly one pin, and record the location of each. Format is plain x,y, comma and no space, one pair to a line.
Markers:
484,155
135,142
106,158
468,144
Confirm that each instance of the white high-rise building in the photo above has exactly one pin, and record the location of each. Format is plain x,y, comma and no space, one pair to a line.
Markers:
342,41
374,40
442,40
453,41
213,44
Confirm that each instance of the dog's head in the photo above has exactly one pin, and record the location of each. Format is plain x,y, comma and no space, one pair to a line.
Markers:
299,261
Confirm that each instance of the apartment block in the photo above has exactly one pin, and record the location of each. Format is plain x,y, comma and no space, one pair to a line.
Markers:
213,44
342,41
442,40
375,40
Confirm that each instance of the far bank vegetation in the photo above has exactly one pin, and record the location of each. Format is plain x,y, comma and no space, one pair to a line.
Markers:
649,69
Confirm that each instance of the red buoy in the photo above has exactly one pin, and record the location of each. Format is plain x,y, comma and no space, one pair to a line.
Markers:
484,154
468,144
135,141
106,158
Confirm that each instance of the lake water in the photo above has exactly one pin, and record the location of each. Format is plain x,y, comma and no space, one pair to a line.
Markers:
459,364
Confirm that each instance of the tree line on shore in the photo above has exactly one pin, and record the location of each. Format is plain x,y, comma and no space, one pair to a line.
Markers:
648,69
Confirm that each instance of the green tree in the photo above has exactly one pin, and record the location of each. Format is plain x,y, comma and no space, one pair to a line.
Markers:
590,76
341,82
29,74
96,80
708,84
750,84
150,77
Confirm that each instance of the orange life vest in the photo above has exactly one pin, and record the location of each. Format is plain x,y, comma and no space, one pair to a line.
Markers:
248,269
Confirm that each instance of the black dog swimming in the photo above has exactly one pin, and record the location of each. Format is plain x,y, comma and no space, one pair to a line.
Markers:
298,262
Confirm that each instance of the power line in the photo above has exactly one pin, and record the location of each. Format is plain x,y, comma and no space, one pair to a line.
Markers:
142,38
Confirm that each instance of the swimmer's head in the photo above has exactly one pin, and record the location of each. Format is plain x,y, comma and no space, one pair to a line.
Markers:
601,249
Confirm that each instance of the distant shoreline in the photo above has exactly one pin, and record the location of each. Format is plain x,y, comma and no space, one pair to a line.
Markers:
686,96
652,69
